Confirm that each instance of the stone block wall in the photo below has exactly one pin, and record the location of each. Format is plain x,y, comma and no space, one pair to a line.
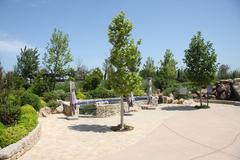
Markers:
107,110
16,150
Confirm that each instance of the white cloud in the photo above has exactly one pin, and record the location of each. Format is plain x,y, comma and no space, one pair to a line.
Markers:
12,46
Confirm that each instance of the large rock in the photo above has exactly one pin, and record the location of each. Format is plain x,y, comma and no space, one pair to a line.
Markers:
228,89
59,109
236,88
44,112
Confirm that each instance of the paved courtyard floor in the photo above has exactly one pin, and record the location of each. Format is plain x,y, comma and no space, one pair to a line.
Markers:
171,132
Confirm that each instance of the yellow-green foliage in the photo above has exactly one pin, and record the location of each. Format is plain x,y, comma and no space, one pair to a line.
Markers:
28,121
138,92
80,95
28,117
12,134
42,103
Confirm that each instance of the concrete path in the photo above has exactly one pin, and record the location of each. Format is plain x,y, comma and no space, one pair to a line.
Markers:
168,133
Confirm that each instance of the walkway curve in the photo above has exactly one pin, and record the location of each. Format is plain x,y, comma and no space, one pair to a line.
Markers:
171,132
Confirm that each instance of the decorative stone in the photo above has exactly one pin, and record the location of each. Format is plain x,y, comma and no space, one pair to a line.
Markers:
59,109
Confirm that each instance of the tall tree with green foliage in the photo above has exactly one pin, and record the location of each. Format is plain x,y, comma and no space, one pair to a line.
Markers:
200,59
28,63
58,56
149,69
166,74
124,59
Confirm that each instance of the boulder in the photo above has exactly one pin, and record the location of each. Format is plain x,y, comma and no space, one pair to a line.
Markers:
59,109
44,112
180,101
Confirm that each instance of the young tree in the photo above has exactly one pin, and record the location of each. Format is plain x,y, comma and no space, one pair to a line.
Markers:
28,63
166,75
149,69
124,59
58,56
200,59
223,71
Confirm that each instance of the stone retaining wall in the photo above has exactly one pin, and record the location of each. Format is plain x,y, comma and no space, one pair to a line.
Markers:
16,150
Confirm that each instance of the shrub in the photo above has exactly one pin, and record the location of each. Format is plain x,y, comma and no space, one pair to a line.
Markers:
54,95
63,86
53,104
12,134
168,91
101,92
60,94
9,114
28,118
31,99
42,103
9,107
2,127
80,95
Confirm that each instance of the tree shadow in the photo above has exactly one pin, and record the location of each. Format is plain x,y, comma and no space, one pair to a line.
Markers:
91,128
179,108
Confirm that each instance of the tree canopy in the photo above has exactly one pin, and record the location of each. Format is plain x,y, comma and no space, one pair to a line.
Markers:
58,56
166,74
149,69
125,57
200,59
28,63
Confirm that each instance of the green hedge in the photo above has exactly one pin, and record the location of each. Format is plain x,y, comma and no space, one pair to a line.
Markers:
101,92
28,121
31,99
54,95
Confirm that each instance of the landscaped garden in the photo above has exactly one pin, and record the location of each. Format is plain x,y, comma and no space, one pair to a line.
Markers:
36,84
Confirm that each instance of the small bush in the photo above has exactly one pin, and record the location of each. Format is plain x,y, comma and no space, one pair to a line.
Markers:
12,134
53,104
101,92
42,103
168,91
28,118
61,94
9,114
31,99
54,95
27,122
63,86
80,95
2,127
9,107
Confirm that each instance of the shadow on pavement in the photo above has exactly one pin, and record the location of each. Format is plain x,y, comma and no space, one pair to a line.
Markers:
178,108
91,128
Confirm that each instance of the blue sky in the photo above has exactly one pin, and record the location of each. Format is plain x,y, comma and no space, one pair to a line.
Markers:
160,24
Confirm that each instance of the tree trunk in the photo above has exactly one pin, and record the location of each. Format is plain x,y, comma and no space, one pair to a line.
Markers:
122,113
201,97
